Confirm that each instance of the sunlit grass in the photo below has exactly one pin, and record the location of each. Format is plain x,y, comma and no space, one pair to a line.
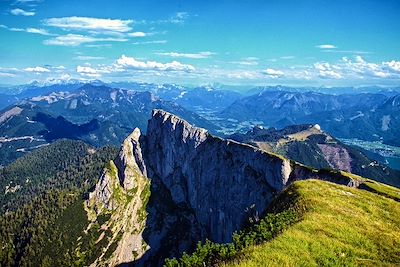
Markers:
342,226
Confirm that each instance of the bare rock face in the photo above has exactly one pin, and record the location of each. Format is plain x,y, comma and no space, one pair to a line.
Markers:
337,157
201,187
218,179
122,193
103,190
130,161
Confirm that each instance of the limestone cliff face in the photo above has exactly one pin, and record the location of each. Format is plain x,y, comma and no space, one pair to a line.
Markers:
218,179
201,187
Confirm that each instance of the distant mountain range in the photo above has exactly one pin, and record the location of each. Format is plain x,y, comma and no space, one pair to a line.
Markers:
108,112
98,115
367,116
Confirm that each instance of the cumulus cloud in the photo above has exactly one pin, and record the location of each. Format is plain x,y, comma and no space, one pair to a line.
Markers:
90,24
132,63
137,34
88,71
326,46
242,75
330,74
363,68
392,65
127,66
327,71
199,55
77,39
36,69
273,73
358,68
21,12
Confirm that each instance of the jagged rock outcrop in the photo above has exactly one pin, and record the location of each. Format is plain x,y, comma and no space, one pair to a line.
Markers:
201,187
122,193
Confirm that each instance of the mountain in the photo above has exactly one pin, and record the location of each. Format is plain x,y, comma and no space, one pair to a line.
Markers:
203,98
280,107
172,181
13,94
365,116
98,115
371,122
210,98
199,99
388,91
125,108
169,189
25,128
311,146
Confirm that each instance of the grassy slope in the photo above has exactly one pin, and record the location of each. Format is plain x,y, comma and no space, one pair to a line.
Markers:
341,226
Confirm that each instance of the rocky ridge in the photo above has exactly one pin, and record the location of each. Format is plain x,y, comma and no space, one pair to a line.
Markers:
205,186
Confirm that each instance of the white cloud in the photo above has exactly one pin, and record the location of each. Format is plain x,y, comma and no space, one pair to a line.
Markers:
178,18
359,59
28,30
16,29
151,42
137,34
98,45
242,75
88,71
90,24
80,57
346,51
329,74
326,46
357,68
6,74
273,73
199,55
77,39
322,66
37,31
21,12
362,68
327,71
251,58
37,69
132,63
392,65
245,63
61,67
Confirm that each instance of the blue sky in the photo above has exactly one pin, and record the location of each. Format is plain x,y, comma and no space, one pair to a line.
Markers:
318,43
